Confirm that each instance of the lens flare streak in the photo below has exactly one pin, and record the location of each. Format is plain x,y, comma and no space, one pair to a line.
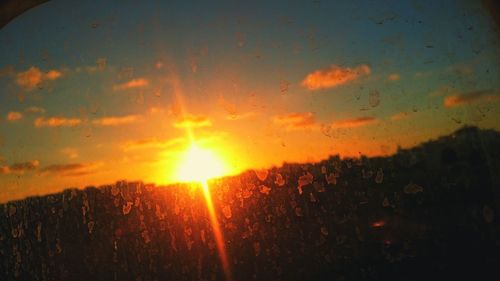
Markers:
219,237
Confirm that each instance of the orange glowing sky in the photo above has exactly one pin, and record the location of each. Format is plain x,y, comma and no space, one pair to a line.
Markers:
124,91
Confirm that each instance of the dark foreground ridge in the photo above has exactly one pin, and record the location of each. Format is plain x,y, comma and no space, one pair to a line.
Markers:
426,213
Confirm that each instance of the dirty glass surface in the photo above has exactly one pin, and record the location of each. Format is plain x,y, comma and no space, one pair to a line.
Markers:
259,140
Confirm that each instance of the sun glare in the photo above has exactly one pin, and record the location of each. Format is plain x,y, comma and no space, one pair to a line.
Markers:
199,165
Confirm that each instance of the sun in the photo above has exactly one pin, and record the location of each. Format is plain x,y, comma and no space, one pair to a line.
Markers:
199,165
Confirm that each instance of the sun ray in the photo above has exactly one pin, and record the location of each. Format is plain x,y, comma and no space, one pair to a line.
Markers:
219,237
198,166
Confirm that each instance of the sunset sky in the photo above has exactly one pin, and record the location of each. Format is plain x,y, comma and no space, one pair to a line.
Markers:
96,92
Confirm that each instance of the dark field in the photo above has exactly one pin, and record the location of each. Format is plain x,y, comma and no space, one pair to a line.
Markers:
430,212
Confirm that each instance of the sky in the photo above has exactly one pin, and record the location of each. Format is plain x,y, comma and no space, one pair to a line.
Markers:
92,92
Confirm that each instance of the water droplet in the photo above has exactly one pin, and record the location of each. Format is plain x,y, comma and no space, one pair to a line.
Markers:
331,179
264,189
312,198
305,180
256,248
280,181
90,226
488,214
262,174
298,211
385,203
374,98
126,208
226,210
12,210
324,231
115,190
380,176
412,188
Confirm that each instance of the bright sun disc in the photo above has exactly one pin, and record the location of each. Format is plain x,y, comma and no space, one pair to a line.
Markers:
200,165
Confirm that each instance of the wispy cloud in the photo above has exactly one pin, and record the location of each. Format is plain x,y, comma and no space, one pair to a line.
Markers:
470,98
32,77
34,109
296,120
71,170
192,121
20,168
134,83
241,116
56,122
393,77
399,116
334,76
151,143
116,120
355,122
443,90
14,116
71,153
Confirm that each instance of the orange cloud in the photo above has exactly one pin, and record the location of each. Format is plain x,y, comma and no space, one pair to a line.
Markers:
56,122
241,116
20,168
32,77
116,120
71,153
354,123
34,109
399,116
470,97
151,143
53,74
296,120
393,77
14,116
71,170
193,121
334,76
134,83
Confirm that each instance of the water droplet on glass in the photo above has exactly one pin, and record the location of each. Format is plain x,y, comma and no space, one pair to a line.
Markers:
126,208
380,176
280,181
262,174
226,210
412,188
374,98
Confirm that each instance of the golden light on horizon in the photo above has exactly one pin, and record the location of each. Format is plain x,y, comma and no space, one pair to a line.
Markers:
199,165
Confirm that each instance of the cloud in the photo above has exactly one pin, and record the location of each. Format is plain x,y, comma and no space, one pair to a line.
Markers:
53,75
151,143
393,77
241,116
71,170
134,83
334,76
116,120
296,120
20,168
443,91
14,116
354,123
470,97
32,77
399,116
56,122
34,109
71,153
192,121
